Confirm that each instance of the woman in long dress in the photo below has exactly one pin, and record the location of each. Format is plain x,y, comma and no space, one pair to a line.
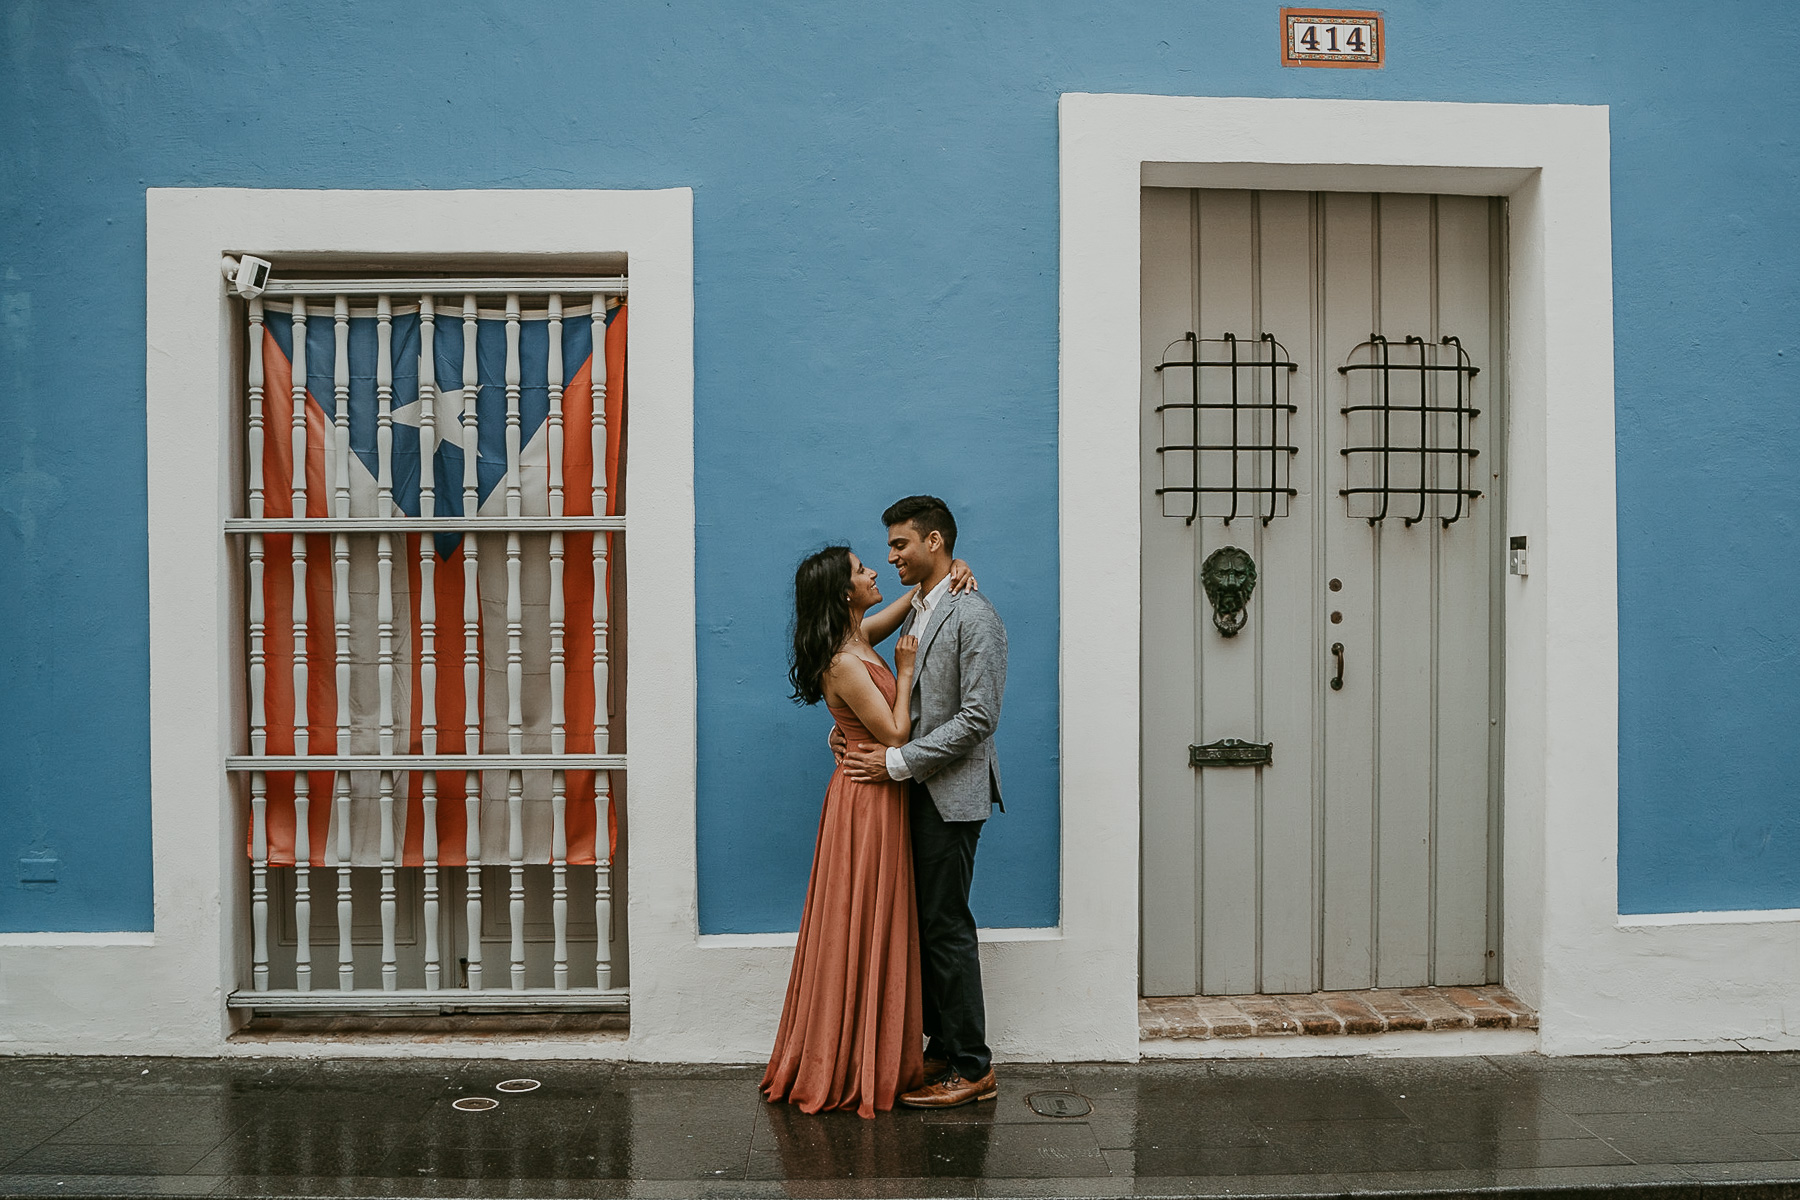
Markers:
852,1027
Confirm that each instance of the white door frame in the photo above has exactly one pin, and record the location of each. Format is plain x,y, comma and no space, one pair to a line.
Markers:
1561,653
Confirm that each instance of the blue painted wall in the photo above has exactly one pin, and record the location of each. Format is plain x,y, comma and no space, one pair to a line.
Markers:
876,209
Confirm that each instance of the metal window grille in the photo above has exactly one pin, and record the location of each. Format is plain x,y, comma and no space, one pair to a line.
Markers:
1408,450
434,486
1227,428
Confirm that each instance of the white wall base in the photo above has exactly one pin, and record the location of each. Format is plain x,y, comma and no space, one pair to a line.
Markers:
599,1047
1681,982
137,994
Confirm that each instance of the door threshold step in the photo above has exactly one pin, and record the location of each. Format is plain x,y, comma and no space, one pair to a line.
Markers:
1374,1011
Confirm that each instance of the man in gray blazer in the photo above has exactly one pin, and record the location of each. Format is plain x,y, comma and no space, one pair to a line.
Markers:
958,680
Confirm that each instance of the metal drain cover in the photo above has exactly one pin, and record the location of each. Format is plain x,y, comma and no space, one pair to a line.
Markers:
475,1103
1059,1104
518,1085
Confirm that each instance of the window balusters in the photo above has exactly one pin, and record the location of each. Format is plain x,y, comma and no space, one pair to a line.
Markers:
602,881
259,733
559,841
602,704
302,888
515,656
352,475
427,602
384,619
340,605
473,781
297,502
601,541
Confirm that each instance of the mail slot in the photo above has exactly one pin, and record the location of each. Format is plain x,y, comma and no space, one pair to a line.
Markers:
1230,752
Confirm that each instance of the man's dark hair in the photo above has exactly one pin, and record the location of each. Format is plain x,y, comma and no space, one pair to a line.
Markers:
926,514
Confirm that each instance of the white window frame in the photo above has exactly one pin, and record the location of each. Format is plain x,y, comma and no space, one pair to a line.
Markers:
199,944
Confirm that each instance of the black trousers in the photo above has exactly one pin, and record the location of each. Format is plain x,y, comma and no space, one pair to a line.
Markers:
943,869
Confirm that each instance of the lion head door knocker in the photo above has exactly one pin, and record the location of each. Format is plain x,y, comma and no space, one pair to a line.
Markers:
1229,576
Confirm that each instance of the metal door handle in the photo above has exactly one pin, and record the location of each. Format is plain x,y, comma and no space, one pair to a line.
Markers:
1337,652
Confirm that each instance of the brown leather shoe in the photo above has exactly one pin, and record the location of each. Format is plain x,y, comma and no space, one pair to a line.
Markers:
936,1068
951,1091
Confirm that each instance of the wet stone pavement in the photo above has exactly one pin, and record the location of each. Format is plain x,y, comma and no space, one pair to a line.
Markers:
1663,1127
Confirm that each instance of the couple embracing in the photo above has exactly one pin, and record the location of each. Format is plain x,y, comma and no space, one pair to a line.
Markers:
884,1002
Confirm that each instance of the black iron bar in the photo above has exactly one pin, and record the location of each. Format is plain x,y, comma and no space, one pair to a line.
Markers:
1223,362
1221,446
1387,413
1220,491
1349,367
1467,453
1460,356
1424,427
1232,339
1274,390
1247,406
1472,493
1194,458
1436,408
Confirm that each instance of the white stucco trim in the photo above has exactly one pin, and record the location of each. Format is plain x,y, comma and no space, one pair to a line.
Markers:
1599,982
127,937
1748,916
164,993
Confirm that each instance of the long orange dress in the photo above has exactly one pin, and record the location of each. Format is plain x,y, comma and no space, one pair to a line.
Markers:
852,1028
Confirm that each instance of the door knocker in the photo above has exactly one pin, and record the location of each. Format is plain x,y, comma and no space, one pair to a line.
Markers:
1229,576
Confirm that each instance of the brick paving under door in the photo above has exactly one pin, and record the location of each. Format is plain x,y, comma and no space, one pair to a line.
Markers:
1381,1010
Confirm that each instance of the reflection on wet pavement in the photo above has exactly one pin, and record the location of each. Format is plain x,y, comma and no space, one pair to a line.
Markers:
110,1126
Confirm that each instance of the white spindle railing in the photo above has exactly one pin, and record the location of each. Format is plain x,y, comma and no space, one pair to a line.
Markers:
559,799
474,782
598,423
302,889
340,419
427,602
340,608
384,618
346,915
395,761
602,878
515,654
302,784
259,730
602,704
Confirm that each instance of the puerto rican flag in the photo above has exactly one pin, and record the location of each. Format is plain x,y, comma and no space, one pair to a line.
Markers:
449,555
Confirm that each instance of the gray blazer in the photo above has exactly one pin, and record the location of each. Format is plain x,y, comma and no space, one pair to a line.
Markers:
959,677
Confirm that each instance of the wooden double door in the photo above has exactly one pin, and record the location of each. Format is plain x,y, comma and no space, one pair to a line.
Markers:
1338,420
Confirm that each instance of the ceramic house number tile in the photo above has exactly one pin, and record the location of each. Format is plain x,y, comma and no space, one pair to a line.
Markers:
1332,37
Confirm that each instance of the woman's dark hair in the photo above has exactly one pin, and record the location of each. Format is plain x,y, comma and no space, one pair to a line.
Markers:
821,620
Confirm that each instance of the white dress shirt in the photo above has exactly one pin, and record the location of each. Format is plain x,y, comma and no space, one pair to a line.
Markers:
923,607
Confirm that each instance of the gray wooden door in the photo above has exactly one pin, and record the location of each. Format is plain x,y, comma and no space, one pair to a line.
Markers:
1365,853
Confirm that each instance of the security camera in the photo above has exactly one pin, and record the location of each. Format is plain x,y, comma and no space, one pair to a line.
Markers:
247,275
